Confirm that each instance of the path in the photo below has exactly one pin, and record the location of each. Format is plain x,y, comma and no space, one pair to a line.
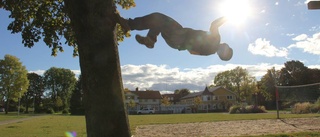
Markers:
5,122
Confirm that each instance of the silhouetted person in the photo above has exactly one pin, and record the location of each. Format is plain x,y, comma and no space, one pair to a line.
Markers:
197,42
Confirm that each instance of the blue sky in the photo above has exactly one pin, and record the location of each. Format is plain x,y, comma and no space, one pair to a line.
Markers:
275,32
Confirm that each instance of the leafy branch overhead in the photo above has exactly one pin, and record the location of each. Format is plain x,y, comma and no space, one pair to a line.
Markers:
48,20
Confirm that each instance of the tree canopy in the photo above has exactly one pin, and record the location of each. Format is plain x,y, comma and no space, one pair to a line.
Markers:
35,91
237,80
60,82
13,79
48,20
165,101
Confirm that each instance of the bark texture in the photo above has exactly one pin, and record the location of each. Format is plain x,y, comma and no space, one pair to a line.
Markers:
94,24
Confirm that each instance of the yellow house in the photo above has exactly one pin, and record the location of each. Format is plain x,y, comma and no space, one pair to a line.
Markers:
211,99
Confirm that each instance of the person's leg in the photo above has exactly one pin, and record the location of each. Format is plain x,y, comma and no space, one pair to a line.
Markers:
152,21
156,23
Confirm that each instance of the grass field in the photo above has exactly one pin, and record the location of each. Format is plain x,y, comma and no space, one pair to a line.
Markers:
11,116
58,125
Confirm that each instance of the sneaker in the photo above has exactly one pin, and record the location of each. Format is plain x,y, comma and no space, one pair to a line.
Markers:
145,41
225,52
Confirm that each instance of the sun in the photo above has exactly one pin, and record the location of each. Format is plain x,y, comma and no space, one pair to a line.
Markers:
236,11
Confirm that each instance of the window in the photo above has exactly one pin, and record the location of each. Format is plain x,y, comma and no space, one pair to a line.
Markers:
154,100
214,98
208,98
229,97
130,97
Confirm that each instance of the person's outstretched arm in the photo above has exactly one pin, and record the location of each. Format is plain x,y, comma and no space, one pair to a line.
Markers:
216,24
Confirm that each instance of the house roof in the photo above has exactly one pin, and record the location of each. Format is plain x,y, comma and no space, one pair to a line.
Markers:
207,91
215,88
147,94
170,95
192,95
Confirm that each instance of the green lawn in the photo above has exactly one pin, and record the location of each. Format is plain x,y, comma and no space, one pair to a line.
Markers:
58,125
11,115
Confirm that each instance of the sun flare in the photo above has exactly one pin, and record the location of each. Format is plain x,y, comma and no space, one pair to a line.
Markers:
236,11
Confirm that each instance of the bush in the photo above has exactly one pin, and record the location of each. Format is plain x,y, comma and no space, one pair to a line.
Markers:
247,109
234,109
301,108
65,111
22,109
50,111
262,109
315,108
317,102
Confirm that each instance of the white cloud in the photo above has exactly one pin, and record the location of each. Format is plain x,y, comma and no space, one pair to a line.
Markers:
314,66
164,78
307,1
300,37
308,44
39,72
263,47
77,72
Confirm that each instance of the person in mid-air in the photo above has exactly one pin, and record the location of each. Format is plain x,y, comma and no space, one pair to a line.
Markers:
197,42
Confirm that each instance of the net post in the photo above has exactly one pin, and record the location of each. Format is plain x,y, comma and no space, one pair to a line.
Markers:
277,102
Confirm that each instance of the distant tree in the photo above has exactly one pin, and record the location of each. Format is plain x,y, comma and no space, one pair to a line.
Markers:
132,103
35,91
237,80
313,76
126,90
224,79
225,104
76,101
268,82
293,73
239,75
197,101
13,79
176,91
182,92
248,88
58,103
165,101
60,82
296,73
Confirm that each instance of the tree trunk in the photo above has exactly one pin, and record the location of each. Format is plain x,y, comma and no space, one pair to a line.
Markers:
94,25
7,106
27,103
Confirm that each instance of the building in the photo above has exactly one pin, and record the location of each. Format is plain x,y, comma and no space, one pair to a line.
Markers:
173,98
216,98
211,99
136,100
